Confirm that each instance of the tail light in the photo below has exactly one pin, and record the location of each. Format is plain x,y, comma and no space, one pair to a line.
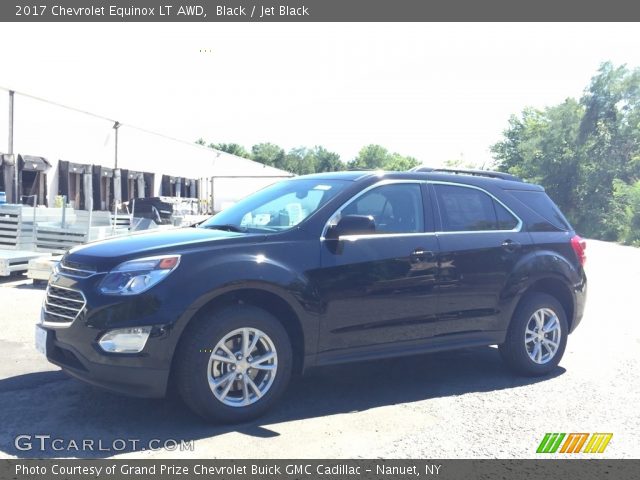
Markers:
579,246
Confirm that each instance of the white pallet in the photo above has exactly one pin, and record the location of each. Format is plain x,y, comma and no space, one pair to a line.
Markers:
17,224
41,268
100,233
16,260
56,239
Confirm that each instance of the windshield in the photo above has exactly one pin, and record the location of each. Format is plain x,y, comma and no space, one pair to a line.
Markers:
278,207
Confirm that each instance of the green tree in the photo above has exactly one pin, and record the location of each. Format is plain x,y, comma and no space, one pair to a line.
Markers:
625,211
326,161
376,157
578,150
300,161
460,163
233,148
268,154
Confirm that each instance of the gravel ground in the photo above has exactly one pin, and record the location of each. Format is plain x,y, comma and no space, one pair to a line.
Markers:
460,404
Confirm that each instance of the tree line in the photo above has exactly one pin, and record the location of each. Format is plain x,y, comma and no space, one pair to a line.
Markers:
303,160
586,153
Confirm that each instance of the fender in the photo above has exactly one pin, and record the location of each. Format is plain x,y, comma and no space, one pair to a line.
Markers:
244,271
536,266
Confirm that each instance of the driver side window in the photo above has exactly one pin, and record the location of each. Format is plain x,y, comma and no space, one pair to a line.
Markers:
396,208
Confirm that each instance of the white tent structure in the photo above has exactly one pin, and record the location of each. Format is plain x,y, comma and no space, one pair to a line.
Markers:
81,150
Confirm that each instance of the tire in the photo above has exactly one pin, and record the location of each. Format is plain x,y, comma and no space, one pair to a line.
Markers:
519,349
199,367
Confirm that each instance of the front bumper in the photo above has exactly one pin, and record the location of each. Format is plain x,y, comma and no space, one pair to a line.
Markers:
73,344
124,374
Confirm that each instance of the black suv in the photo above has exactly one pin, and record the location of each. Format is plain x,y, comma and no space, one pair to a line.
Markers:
319,270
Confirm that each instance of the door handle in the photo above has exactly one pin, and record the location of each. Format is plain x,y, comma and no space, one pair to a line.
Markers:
510,246
421,255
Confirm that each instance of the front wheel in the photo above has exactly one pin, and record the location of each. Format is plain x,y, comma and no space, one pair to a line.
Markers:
537,336
234,365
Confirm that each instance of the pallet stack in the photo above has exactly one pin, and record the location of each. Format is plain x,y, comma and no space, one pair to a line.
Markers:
17,224
12,261
53,238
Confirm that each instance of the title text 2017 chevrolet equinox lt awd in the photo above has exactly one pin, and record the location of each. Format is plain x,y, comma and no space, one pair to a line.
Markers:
318,270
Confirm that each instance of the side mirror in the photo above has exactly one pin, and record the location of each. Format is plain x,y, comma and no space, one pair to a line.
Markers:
352,225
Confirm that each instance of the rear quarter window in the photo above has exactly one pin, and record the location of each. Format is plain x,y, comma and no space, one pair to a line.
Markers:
540,203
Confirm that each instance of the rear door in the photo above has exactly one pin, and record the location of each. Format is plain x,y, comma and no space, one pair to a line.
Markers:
380,288
480,243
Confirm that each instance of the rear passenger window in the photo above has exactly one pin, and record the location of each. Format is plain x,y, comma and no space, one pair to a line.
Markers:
506,221
464,209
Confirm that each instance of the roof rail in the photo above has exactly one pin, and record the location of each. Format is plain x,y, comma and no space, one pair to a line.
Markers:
464,171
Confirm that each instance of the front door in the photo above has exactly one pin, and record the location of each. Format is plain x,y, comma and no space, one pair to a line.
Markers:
380,287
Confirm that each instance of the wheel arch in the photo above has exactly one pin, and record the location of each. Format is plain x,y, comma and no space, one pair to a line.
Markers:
260,296
558,289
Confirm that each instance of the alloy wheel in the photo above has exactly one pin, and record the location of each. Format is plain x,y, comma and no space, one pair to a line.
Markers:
542,335
242,367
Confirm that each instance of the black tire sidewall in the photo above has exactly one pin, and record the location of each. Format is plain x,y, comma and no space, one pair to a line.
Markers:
193,360
514,350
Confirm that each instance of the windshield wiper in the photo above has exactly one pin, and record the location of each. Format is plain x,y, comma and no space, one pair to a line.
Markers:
228,228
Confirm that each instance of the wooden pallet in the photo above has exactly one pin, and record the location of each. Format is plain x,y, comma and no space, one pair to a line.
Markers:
12,261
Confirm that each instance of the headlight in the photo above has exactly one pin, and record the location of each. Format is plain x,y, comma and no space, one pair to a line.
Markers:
125,340
137,276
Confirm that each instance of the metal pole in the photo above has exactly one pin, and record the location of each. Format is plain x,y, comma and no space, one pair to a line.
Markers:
11,154
64,211
33,229
88,238
116,126
213,210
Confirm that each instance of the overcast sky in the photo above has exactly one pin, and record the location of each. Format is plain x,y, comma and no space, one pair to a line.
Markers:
433,91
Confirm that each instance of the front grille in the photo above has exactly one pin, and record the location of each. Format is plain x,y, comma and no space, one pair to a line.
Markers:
62,305
75,269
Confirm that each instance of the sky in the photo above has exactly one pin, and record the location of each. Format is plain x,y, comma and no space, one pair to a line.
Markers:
433,91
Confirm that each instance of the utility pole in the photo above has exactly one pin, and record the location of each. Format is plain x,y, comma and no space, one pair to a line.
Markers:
116,126
11,154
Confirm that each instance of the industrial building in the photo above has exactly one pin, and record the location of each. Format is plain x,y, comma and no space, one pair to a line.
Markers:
98,163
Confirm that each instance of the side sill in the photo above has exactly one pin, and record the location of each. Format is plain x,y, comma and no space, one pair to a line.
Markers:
452,341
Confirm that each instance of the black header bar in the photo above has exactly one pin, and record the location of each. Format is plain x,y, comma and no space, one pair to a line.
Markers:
317,10
112,469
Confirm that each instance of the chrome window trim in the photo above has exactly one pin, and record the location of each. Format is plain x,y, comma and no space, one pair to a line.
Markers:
44,323
353,238
358,195
516,229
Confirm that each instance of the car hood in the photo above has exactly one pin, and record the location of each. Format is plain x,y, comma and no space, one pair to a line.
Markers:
105,254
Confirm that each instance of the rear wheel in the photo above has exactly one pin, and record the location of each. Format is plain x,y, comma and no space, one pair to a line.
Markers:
537,336
234,365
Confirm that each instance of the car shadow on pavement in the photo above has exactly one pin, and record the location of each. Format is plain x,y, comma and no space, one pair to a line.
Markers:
50,403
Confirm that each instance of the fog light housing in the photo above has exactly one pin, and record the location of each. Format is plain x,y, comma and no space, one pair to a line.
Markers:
125,340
